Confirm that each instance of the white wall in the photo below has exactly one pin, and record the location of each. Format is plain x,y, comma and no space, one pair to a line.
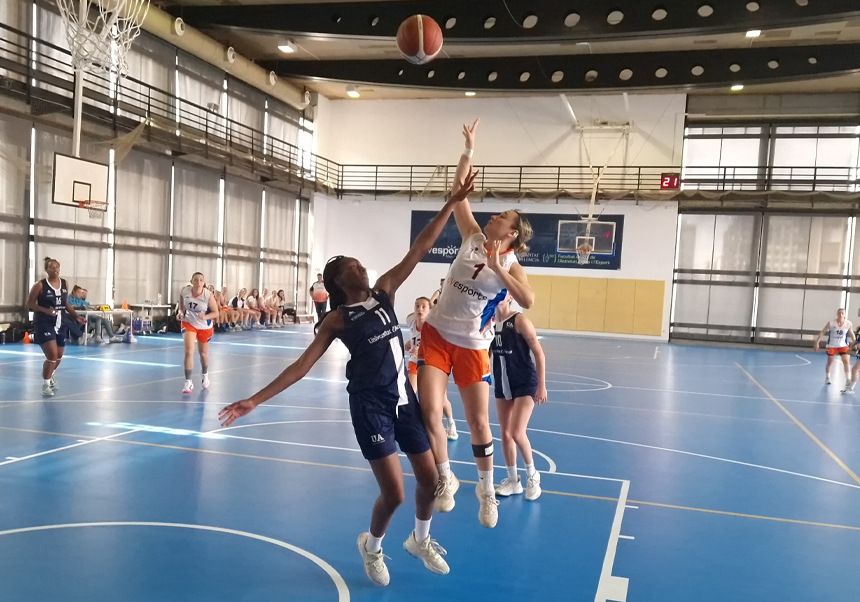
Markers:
513,131
377,233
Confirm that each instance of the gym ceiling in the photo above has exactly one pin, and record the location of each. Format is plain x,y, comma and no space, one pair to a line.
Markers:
546,46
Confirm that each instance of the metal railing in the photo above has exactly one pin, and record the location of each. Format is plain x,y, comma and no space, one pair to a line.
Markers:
41,74
782,178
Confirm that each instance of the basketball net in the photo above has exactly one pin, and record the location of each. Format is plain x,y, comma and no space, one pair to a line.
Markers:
585,245
100,32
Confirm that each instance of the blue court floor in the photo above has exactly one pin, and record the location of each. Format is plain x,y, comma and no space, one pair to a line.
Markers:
670,473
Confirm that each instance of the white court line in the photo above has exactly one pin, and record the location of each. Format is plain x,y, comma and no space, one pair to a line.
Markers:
340,584
632,507
610,587
59,449
113,361
552,465
656,351
12,352
626,537
686,453
257,345
803,359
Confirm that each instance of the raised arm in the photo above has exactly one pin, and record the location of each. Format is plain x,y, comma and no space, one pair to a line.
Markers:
391,280
515,279
821,334
526,329
463,212
330,326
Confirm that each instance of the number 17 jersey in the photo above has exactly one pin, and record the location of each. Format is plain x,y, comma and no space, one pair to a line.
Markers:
465,313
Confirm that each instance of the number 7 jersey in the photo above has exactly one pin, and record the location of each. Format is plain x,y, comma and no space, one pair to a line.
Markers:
465,313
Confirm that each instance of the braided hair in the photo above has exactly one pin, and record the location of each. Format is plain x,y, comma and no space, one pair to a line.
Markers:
336,294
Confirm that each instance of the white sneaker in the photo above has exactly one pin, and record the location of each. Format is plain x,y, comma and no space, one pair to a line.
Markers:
848,390
451,431
374,563
827,380
533,489
189,386
131,338
508,487
54,386
205,381
47,391
488,515
430,552
98,340
115,340
445,491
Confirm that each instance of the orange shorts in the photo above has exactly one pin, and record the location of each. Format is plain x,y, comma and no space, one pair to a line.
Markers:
413,368
203,336
469,366
837,351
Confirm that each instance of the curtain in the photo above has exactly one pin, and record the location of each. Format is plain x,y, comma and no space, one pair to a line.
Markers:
246,108
201,86
242,212
279,258
14,209
195,224
142,224
153,62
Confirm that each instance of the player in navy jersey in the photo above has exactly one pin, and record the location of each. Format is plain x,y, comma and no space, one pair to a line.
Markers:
520,383
382,404
48,298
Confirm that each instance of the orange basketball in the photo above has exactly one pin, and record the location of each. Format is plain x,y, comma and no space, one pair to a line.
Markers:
419,39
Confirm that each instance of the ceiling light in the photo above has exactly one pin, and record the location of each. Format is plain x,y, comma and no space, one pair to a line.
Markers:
737,87
754,33
287,47
352,91
470,93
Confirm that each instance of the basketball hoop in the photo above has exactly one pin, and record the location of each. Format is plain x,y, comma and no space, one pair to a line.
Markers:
96,209
583,253
100,40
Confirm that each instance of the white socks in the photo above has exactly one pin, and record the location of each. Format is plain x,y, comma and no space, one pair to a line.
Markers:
374,544
485,480
444,469
46,381
422,529
530,469
512,473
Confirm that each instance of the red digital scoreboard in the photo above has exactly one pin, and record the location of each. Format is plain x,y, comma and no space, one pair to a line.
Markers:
670,181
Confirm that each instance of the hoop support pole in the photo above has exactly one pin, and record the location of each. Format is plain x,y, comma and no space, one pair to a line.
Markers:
79,102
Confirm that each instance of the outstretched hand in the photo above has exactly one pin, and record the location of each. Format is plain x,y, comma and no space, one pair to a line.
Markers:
493,261
236,410
469,133
465,188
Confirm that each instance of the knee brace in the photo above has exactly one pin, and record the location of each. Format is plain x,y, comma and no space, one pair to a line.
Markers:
485,450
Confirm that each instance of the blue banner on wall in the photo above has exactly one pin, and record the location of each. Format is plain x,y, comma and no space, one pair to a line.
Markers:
553,245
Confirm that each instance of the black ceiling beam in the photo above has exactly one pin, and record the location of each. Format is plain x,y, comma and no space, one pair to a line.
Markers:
592,72
375,19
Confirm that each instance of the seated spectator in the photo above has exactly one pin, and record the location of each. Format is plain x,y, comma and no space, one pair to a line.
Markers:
78,298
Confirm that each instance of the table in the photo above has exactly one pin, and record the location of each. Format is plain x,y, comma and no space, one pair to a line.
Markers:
104,314
146,312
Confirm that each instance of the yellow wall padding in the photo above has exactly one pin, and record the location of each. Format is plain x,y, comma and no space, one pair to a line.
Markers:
620,301
564,303
619,306
539,314
648,308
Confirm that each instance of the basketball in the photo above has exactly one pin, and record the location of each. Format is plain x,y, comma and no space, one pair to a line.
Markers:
419,39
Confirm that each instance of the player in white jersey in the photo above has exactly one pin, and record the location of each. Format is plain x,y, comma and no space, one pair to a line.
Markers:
840,338
415,321
197,309
456,338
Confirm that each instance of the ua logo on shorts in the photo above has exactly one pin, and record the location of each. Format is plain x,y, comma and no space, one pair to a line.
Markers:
377,439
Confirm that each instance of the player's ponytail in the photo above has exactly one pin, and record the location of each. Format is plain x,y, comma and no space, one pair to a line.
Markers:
336,295
524,234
